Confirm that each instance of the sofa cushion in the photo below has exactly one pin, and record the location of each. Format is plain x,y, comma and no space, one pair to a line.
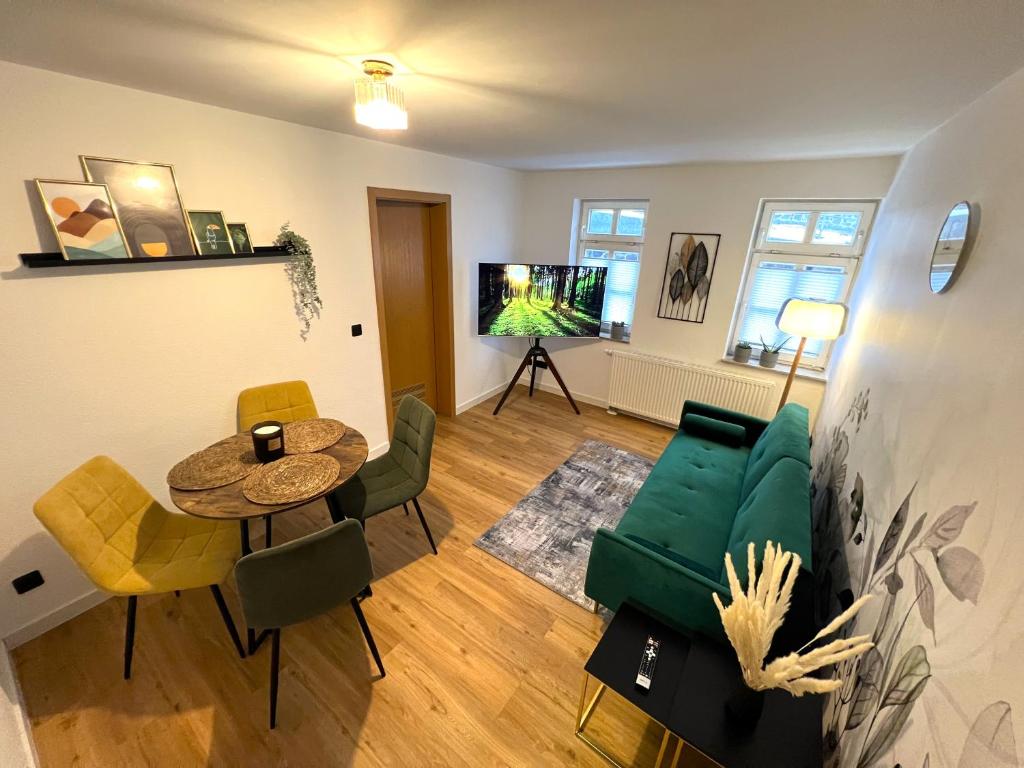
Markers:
720,431
777,509
786,437
688,502
753,425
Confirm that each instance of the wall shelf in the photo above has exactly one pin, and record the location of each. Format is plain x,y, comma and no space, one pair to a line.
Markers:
55,259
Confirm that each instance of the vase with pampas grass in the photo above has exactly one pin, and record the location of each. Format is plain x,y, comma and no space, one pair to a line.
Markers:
755,615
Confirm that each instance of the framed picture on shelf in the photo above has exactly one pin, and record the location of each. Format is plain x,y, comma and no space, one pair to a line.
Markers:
240,237
689,268
211,231
83,219
146,201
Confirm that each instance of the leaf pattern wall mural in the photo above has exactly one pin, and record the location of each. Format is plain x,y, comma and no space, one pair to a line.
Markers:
919,463
689,267
912,559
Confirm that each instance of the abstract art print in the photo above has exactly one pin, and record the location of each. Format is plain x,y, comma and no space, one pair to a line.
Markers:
146,201
212,237
83,219
240,237
689,267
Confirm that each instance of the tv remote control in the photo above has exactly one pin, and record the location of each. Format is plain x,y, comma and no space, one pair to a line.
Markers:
645,674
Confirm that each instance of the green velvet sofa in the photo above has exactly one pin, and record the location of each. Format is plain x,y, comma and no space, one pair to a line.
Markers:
724,480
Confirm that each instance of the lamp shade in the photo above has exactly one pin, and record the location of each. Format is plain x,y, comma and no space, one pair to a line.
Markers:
812,319
379,103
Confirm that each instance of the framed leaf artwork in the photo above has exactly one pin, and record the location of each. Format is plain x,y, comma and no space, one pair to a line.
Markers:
689,268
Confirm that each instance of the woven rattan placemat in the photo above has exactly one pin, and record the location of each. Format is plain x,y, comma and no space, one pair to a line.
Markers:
312,435
220,464
291,479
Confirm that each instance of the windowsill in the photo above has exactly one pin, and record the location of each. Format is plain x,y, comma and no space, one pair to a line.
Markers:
781,368
606,334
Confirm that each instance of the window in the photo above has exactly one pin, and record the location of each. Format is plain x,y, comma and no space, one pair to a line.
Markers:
807,249
612,235
818,227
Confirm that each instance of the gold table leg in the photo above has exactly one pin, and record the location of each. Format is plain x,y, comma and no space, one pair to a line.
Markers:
583,698
585,709
583,715
679,751
661,752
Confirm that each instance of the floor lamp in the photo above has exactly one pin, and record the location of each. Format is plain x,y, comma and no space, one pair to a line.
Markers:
809,319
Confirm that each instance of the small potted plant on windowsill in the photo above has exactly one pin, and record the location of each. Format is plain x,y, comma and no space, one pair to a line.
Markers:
741,352
769,356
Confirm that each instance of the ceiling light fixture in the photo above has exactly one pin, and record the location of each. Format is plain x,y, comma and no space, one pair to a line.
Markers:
379,104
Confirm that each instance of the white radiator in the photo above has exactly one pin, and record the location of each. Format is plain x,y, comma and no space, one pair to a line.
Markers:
655,387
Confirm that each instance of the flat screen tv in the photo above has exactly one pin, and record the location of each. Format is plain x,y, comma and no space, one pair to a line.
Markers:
540,300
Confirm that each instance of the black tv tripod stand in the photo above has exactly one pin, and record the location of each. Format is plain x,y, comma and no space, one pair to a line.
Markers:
536,357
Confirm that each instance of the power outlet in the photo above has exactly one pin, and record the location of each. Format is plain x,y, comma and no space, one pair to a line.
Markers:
27,582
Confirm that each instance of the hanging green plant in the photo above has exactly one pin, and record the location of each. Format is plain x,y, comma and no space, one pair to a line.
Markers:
302,274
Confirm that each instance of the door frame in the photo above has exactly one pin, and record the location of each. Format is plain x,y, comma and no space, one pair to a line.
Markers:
439,211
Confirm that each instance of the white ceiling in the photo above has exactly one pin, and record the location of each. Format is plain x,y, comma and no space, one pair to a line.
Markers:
557,84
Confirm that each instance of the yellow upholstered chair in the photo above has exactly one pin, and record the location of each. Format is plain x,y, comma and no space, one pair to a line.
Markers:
128,544
284,402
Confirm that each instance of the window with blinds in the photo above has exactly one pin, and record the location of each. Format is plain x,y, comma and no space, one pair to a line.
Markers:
612,235
772,282
806,249
620,290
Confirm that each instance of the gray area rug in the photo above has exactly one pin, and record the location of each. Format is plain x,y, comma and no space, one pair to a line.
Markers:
548,534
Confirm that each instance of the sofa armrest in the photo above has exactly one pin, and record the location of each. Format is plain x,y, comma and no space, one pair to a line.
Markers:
752,424
621,570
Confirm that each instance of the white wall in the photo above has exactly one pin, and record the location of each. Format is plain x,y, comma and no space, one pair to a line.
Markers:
921,431
721,198
144,364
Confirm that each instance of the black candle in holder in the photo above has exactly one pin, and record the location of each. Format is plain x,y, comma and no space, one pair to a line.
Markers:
268,440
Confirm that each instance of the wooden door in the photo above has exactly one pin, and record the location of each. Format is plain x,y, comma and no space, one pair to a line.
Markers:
407,287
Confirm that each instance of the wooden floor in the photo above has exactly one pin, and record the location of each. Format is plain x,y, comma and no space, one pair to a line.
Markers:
484,664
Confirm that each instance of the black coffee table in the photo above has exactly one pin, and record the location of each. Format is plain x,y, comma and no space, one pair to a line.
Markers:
693,679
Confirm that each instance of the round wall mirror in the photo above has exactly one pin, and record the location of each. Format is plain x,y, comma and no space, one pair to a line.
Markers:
950,247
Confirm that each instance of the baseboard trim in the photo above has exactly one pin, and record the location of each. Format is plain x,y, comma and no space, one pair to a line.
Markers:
66,612
9,682
554,389
378,450
474,401
523,382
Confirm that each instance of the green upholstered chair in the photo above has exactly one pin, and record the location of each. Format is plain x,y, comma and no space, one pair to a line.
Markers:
397,477
303,578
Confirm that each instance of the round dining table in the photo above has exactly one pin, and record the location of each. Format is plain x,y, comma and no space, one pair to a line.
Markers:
229,503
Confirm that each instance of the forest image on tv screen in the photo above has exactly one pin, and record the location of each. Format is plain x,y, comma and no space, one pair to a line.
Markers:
540,300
